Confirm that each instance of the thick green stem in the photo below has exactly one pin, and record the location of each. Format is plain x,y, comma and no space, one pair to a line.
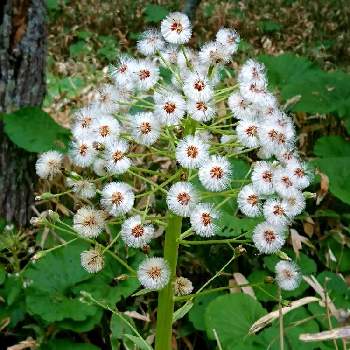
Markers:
166,295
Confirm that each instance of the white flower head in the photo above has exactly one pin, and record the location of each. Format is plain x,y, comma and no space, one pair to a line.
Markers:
82,152
115,157
229,38
192,152
83,121
204,220
169,54
300,174
275,138
117,198
247,132
92,260
146,74
252,72
145,128
183,286
182,198
198,87
176,28
122,73
262,178
99,167
287,155
283,182
240,107
170,108
106,128
135,233
107,98
249,201
213,53
294,202
88,222
269,238
154,273
276,212
49,164
150,42
83,188
200,110
215,174
288,275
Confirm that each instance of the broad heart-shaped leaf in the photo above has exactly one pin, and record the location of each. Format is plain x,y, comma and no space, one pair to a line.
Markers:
231,316
155,13
34,130
57,280
63,344
320,91
334,153
284,69
197,311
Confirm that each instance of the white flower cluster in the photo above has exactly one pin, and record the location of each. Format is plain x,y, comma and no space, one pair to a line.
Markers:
106,131
280,177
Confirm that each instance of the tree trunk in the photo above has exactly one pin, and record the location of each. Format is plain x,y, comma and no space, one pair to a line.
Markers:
23,35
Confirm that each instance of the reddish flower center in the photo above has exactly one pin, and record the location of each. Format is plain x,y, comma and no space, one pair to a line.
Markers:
267,176
154,272
86,122
251,130
145,128
253,199
83,150
286,181
183,198
117,198
169,107
89,221
192,152
176,27
144,74
216,172
138,231
272,134
123,68
299,172
118,155
206,219
201,106
104,130
278,210
199,85
269,236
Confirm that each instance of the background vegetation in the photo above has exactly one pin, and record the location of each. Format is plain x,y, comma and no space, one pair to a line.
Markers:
304,45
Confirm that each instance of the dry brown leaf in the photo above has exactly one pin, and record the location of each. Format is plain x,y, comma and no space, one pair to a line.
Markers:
29,343
324,187
267,319
297,241
137,316
309,226
325,300
242,283
336,333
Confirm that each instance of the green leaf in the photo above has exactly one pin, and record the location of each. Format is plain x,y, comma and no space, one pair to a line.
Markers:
155,13
197,311
231,316
334,153
139,342
182,311
79,49
268,26
34,130
263,291
62,344
2,274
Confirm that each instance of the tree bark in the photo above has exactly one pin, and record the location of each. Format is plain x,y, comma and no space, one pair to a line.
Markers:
23,35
